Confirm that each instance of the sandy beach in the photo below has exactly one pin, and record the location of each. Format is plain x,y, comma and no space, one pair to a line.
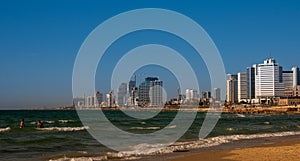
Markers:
279,151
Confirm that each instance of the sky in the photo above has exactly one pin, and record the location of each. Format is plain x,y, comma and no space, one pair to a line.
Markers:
39,41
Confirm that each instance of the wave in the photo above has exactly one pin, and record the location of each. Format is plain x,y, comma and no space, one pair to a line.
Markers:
65,121
144,128
64,128
33,123
5,129
154,149
50,122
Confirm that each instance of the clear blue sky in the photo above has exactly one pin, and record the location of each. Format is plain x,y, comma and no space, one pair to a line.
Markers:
40,40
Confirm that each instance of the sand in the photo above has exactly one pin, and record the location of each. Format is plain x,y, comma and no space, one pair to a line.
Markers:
280,151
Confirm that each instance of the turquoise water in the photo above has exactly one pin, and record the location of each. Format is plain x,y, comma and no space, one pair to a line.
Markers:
64,134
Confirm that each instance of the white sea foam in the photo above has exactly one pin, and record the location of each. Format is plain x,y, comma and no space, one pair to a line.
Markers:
4,129
241,115
50,122
33,123
65,121
64,128
154,149
144,128
171,127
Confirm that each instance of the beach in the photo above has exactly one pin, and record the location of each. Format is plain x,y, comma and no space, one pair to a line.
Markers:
279,150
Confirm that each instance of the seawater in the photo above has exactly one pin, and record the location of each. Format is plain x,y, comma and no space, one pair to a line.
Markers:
65,137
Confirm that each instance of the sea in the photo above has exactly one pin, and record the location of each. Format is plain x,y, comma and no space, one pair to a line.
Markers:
64,136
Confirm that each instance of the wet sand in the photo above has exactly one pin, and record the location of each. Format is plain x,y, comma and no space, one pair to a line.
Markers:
278,151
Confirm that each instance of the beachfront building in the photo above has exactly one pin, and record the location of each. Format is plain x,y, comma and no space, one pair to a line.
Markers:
296,76
90,101
251,83
122,95
268,81
217,94
99,99
156,93
191,96
153,97
231,88
242,87
131,86
287,79
110,99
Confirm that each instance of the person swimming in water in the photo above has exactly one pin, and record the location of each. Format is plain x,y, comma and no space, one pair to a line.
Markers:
40,124
22,124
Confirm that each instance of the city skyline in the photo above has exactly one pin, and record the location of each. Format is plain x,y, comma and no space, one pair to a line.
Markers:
40,42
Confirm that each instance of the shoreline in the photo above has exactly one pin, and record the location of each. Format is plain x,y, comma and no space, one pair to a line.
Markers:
265,149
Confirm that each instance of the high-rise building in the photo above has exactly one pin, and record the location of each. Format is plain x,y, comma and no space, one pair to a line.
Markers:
90,101
251,82
156,93
268,80
287,79
131,86
99,98
153,99
110,99
122,95
217,94
231,88
296,76
242,87
191,96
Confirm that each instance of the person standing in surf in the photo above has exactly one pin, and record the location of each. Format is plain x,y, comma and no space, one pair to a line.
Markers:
40,124
22,124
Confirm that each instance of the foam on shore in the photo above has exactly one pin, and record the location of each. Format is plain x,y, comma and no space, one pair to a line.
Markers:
155,149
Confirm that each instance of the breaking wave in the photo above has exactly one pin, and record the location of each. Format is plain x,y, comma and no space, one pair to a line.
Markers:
4,129
64,128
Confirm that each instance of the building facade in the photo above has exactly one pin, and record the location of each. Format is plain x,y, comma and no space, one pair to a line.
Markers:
153,97
242,87
231,89
268,80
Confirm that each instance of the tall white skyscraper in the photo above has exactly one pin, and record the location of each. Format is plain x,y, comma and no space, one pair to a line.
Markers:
268,80
296,76
156,93
242,87
191,96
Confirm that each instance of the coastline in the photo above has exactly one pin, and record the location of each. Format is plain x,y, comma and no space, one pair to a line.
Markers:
263,150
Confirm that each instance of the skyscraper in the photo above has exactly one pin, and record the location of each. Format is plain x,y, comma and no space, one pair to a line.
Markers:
131,86
122,95
296,76
99,98
153,97
288,79
217,94
268,80
242,87
191,96
232,88
251,82
156,93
